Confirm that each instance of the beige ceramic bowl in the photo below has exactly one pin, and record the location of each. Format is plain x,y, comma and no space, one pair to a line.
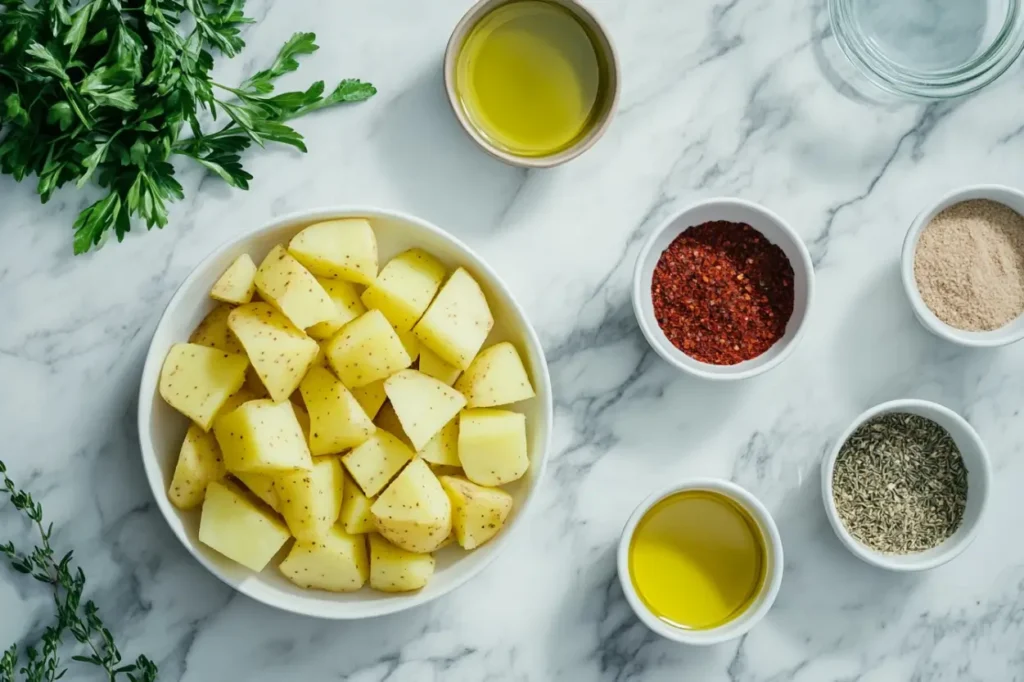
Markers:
606,52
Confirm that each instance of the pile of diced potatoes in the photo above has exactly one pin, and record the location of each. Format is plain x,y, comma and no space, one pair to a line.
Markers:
351,409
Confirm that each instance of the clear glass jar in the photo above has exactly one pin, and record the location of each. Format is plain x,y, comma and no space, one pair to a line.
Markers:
929,49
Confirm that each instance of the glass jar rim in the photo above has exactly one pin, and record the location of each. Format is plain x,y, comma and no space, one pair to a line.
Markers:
957,81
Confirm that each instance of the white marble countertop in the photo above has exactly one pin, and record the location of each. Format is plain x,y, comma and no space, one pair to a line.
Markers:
719,98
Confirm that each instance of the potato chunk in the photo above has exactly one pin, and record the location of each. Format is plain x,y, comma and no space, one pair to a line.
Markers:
355,510
366,350
478,513
239,528
262,486
197,380
280,352
405,287
395,570
337,421
443,448
339,249
492,446
262,437
370,397
335,562
199,465
495,377
433,366
414,512
292,289
238,283
387,419
423,404
457,322
311,500
213,331
347,305
376,461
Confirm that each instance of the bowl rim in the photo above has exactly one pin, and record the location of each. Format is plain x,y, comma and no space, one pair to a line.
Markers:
992,338
732,629
661,344
150,380
880,559
469,21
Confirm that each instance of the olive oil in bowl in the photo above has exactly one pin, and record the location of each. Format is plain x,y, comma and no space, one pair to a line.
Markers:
697,560
531,78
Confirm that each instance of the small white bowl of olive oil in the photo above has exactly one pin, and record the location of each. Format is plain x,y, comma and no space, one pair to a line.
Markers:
701,562
533,82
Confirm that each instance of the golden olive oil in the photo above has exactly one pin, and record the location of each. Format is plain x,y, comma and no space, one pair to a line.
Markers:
529,78
697,559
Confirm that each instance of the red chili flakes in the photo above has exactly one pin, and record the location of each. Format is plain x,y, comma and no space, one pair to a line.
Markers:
723,293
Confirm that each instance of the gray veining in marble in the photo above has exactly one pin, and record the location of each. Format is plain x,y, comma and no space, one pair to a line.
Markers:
736,97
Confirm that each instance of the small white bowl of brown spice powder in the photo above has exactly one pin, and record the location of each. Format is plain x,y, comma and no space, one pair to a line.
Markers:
963,266
906,486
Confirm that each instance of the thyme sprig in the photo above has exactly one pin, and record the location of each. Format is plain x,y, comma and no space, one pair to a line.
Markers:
42,662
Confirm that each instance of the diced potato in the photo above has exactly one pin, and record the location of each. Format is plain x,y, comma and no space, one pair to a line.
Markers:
263,437
311,500
346,301
213,332
405,287
238,283
457,322
492,446
414,512
303,418
335,562
262,486
387,419
254,384
423,404
339,249
199,465
197,380
280,351
239,528
443,448
433,366
495,377
337,421
366,350
410,343
376,461
478,513
292,289
355,510
447,541
394,570
236,400
446,470
370,397
321,358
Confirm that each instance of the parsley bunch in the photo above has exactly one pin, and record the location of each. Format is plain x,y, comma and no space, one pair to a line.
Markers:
83,621
110,90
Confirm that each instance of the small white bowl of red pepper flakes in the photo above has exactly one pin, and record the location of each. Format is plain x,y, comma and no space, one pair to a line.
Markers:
722,289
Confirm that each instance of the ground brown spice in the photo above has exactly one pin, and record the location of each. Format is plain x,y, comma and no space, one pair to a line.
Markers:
722,293
969,265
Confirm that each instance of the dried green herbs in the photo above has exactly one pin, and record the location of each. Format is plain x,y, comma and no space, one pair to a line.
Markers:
900,484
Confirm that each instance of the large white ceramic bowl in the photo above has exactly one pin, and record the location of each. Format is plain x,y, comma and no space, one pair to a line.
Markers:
776,231
161,428
979,482
1010,332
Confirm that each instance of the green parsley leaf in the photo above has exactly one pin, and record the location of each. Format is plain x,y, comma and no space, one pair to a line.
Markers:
107,91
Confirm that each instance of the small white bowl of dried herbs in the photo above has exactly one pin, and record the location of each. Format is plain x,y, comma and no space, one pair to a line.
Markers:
906,486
